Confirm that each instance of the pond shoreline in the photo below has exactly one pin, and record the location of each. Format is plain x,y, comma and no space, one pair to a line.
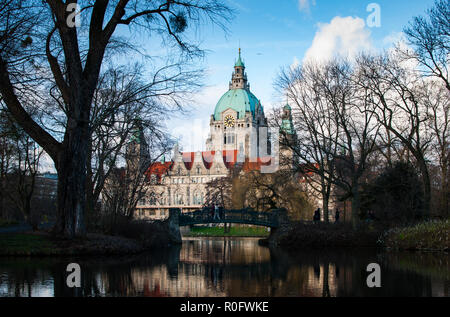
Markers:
430,236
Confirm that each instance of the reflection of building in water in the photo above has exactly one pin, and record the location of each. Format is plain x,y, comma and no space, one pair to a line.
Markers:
223,252
188,282
209,268
251,272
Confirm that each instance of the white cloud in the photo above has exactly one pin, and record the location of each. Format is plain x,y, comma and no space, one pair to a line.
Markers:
295,63
395,39
305,5
343,36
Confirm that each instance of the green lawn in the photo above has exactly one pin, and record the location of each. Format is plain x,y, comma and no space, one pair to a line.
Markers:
25,244
234,232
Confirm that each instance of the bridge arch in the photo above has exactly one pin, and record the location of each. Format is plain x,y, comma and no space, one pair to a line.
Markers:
272,219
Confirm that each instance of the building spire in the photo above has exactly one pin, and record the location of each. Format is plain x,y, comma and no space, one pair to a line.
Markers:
239,62
239,77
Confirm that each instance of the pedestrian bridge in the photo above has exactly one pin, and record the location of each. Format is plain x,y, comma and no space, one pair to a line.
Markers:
271,219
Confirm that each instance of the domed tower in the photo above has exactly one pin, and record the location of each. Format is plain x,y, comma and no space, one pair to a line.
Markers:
237,119
137,152
288,137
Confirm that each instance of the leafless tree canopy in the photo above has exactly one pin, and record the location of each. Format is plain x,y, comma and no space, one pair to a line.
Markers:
47,63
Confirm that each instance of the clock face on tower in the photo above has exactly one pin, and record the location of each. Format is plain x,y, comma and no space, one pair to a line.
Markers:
229,121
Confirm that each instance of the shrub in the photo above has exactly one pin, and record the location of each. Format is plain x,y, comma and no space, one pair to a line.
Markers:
430,235
150,234
317,235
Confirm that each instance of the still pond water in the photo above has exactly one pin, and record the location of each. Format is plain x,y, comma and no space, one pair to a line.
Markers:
231,267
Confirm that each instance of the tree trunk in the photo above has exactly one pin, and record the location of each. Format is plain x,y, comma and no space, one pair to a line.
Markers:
29,216
445,191
90,200
71,197
355,206
426,186
325,203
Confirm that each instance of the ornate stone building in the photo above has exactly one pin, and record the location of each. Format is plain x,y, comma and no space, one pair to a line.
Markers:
238,135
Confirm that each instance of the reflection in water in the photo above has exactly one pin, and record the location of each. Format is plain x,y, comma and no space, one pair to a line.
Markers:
231,267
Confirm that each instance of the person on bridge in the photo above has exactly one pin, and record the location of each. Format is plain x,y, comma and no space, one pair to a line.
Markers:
316,217
336,215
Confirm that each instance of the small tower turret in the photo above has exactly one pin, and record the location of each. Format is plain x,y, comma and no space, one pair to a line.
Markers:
239,77
288,138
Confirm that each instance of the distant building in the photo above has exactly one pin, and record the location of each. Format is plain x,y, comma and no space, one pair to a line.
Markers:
46,186
238,135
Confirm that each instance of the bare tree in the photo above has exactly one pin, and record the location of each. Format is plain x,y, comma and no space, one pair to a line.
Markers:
340,133
316,145
398,95
20,163
36,34
123,101
437,103
126,186
430,37
219,191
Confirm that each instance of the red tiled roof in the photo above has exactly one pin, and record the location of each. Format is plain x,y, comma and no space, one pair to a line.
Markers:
188,159
229,157
208,158
158,169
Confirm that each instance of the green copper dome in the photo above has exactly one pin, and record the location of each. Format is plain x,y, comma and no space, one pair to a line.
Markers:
240,100
287,127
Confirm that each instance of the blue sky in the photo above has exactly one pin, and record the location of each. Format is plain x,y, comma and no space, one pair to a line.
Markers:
276,34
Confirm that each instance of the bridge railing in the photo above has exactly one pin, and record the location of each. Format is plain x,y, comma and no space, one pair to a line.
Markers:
245,216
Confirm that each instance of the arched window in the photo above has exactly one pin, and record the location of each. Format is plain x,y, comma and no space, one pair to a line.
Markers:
196,198
178,199
202,198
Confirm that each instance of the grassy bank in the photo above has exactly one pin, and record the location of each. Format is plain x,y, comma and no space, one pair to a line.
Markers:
42,244
121,237
427,236
234,232
26,244
431,235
